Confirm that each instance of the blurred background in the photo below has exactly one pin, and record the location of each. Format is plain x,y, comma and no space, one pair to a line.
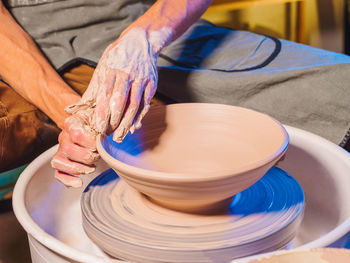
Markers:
319,23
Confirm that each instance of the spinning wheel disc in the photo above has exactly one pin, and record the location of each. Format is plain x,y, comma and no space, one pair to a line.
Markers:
127,225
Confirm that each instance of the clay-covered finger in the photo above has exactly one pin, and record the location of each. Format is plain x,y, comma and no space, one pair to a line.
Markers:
148,94
68,180
106,78
119,98
63,164
74,126
75,152
130,111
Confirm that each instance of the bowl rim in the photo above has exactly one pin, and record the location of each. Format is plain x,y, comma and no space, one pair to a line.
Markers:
166,177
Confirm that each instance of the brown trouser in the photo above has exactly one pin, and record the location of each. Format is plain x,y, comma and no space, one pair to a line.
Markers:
25,131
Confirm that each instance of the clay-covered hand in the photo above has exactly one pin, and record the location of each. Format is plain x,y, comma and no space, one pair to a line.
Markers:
77,150
124,82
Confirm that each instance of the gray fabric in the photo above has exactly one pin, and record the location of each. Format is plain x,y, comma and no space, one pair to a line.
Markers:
65,29
302,86
15,3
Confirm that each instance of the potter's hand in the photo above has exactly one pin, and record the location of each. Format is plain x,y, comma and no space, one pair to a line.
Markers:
77,152
124,83
125,79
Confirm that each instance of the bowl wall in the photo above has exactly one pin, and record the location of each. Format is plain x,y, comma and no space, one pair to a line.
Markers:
188,156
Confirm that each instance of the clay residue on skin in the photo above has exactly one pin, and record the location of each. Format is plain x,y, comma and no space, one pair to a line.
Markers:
82,118
160,38
91,157
136,55
56,162
126,73
133,55
138,124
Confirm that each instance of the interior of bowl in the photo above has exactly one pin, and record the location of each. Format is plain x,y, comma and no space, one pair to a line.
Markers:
200,139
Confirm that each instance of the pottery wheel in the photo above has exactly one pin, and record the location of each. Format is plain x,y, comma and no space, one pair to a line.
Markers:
127,225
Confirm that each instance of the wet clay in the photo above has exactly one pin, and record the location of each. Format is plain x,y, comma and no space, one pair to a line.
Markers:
128,225
127,69
191,156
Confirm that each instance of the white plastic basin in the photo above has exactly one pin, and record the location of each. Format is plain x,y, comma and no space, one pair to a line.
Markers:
50,212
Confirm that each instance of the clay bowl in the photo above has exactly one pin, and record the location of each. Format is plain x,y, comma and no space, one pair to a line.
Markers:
195,156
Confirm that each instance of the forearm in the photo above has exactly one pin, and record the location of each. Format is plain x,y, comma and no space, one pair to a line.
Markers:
27,71
174,15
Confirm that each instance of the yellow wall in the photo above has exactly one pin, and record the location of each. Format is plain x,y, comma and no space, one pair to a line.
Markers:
323,21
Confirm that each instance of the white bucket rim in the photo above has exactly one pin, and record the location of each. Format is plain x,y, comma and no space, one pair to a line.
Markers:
33,229
343,228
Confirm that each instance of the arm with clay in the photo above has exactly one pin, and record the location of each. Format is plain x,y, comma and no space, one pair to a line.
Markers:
123,84
27,71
